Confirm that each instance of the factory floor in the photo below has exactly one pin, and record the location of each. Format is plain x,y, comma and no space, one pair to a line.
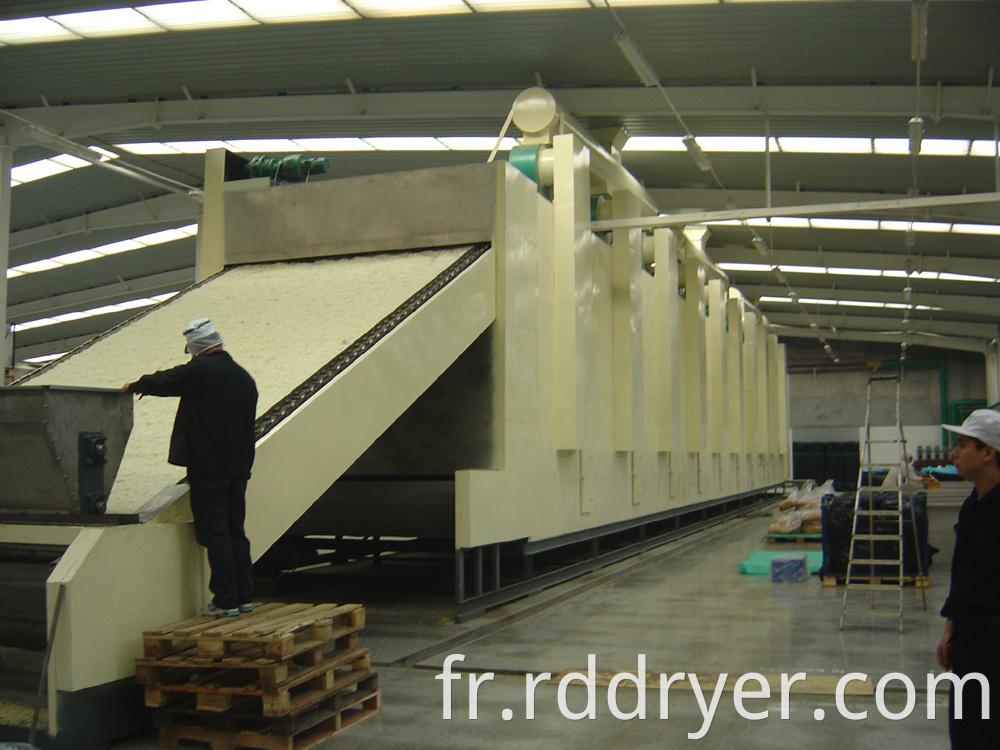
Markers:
687,609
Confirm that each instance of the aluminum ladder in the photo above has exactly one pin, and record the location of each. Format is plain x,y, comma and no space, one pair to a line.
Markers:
877,534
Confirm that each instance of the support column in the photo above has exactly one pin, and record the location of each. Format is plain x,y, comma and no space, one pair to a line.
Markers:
212,233
736,402
669,374
992,355
626,265
6,162
571,218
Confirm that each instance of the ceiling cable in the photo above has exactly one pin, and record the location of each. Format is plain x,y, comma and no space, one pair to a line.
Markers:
648,77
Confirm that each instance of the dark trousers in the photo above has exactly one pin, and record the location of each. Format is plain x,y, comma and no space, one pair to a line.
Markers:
974,649
218,505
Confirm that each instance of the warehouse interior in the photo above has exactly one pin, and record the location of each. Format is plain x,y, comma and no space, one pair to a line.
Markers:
585,286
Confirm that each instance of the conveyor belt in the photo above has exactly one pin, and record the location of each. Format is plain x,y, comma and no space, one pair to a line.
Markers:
294,326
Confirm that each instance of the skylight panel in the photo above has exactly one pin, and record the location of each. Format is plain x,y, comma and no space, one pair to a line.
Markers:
654,143
75,257
407,143
796,145
749,267
944,147
296,11
892,146
944,276
477,143
802,269
195,147
334,144
375,8
158,238
265,145
196,14
789,222
37,170
931,226
744,144
856,271
30,30
148,149
494,5
993,229
110,22
36,266
983,148
114,248
871,224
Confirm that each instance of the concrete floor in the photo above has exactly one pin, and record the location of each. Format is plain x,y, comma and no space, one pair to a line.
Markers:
687,609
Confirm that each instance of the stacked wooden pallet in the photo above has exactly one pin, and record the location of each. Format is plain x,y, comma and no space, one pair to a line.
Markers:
283,677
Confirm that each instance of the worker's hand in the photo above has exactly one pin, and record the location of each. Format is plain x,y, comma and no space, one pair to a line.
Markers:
944,646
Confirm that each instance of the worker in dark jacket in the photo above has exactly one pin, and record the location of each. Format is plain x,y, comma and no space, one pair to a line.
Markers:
213,437
970,646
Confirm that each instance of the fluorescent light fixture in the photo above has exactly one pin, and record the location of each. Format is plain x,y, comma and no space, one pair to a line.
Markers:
895,226
407,143
334,144
70,316
744,144
945,147
376,8
477,143
765,300
892,273
296,11
494,5
73,162
796,145
697,155
915,131
993,229
749,267
633,55
924,275
13,274
983,148
110,22
196,14
654,143
30,30
264,145
869,224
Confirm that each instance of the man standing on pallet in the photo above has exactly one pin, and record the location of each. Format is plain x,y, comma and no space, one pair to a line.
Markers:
971,641
213,436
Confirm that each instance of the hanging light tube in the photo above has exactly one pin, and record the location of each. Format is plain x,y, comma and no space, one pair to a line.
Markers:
626,43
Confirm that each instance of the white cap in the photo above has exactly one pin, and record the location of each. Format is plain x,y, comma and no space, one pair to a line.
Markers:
983,424
200,336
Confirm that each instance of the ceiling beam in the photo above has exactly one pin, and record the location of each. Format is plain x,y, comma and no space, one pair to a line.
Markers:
873,258
858,323
754,103
987,308
166,208
913,339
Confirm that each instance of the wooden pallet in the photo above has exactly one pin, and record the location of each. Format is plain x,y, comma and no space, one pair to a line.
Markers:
220,689
888,581
300,729
278,629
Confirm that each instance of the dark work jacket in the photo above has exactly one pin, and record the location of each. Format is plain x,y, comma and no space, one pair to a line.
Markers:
213,430
975,565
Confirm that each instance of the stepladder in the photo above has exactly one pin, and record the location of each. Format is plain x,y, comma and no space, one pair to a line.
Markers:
884,516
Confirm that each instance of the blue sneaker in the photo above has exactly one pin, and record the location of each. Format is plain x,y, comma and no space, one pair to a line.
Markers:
246,609
210,610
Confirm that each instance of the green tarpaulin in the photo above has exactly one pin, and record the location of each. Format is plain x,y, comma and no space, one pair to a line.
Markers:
759,563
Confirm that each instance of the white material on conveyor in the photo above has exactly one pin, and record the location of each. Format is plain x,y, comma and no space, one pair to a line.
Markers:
282,322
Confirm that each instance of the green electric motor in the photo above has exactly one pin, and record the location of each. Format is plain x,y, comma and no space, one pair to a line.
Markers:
294,168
